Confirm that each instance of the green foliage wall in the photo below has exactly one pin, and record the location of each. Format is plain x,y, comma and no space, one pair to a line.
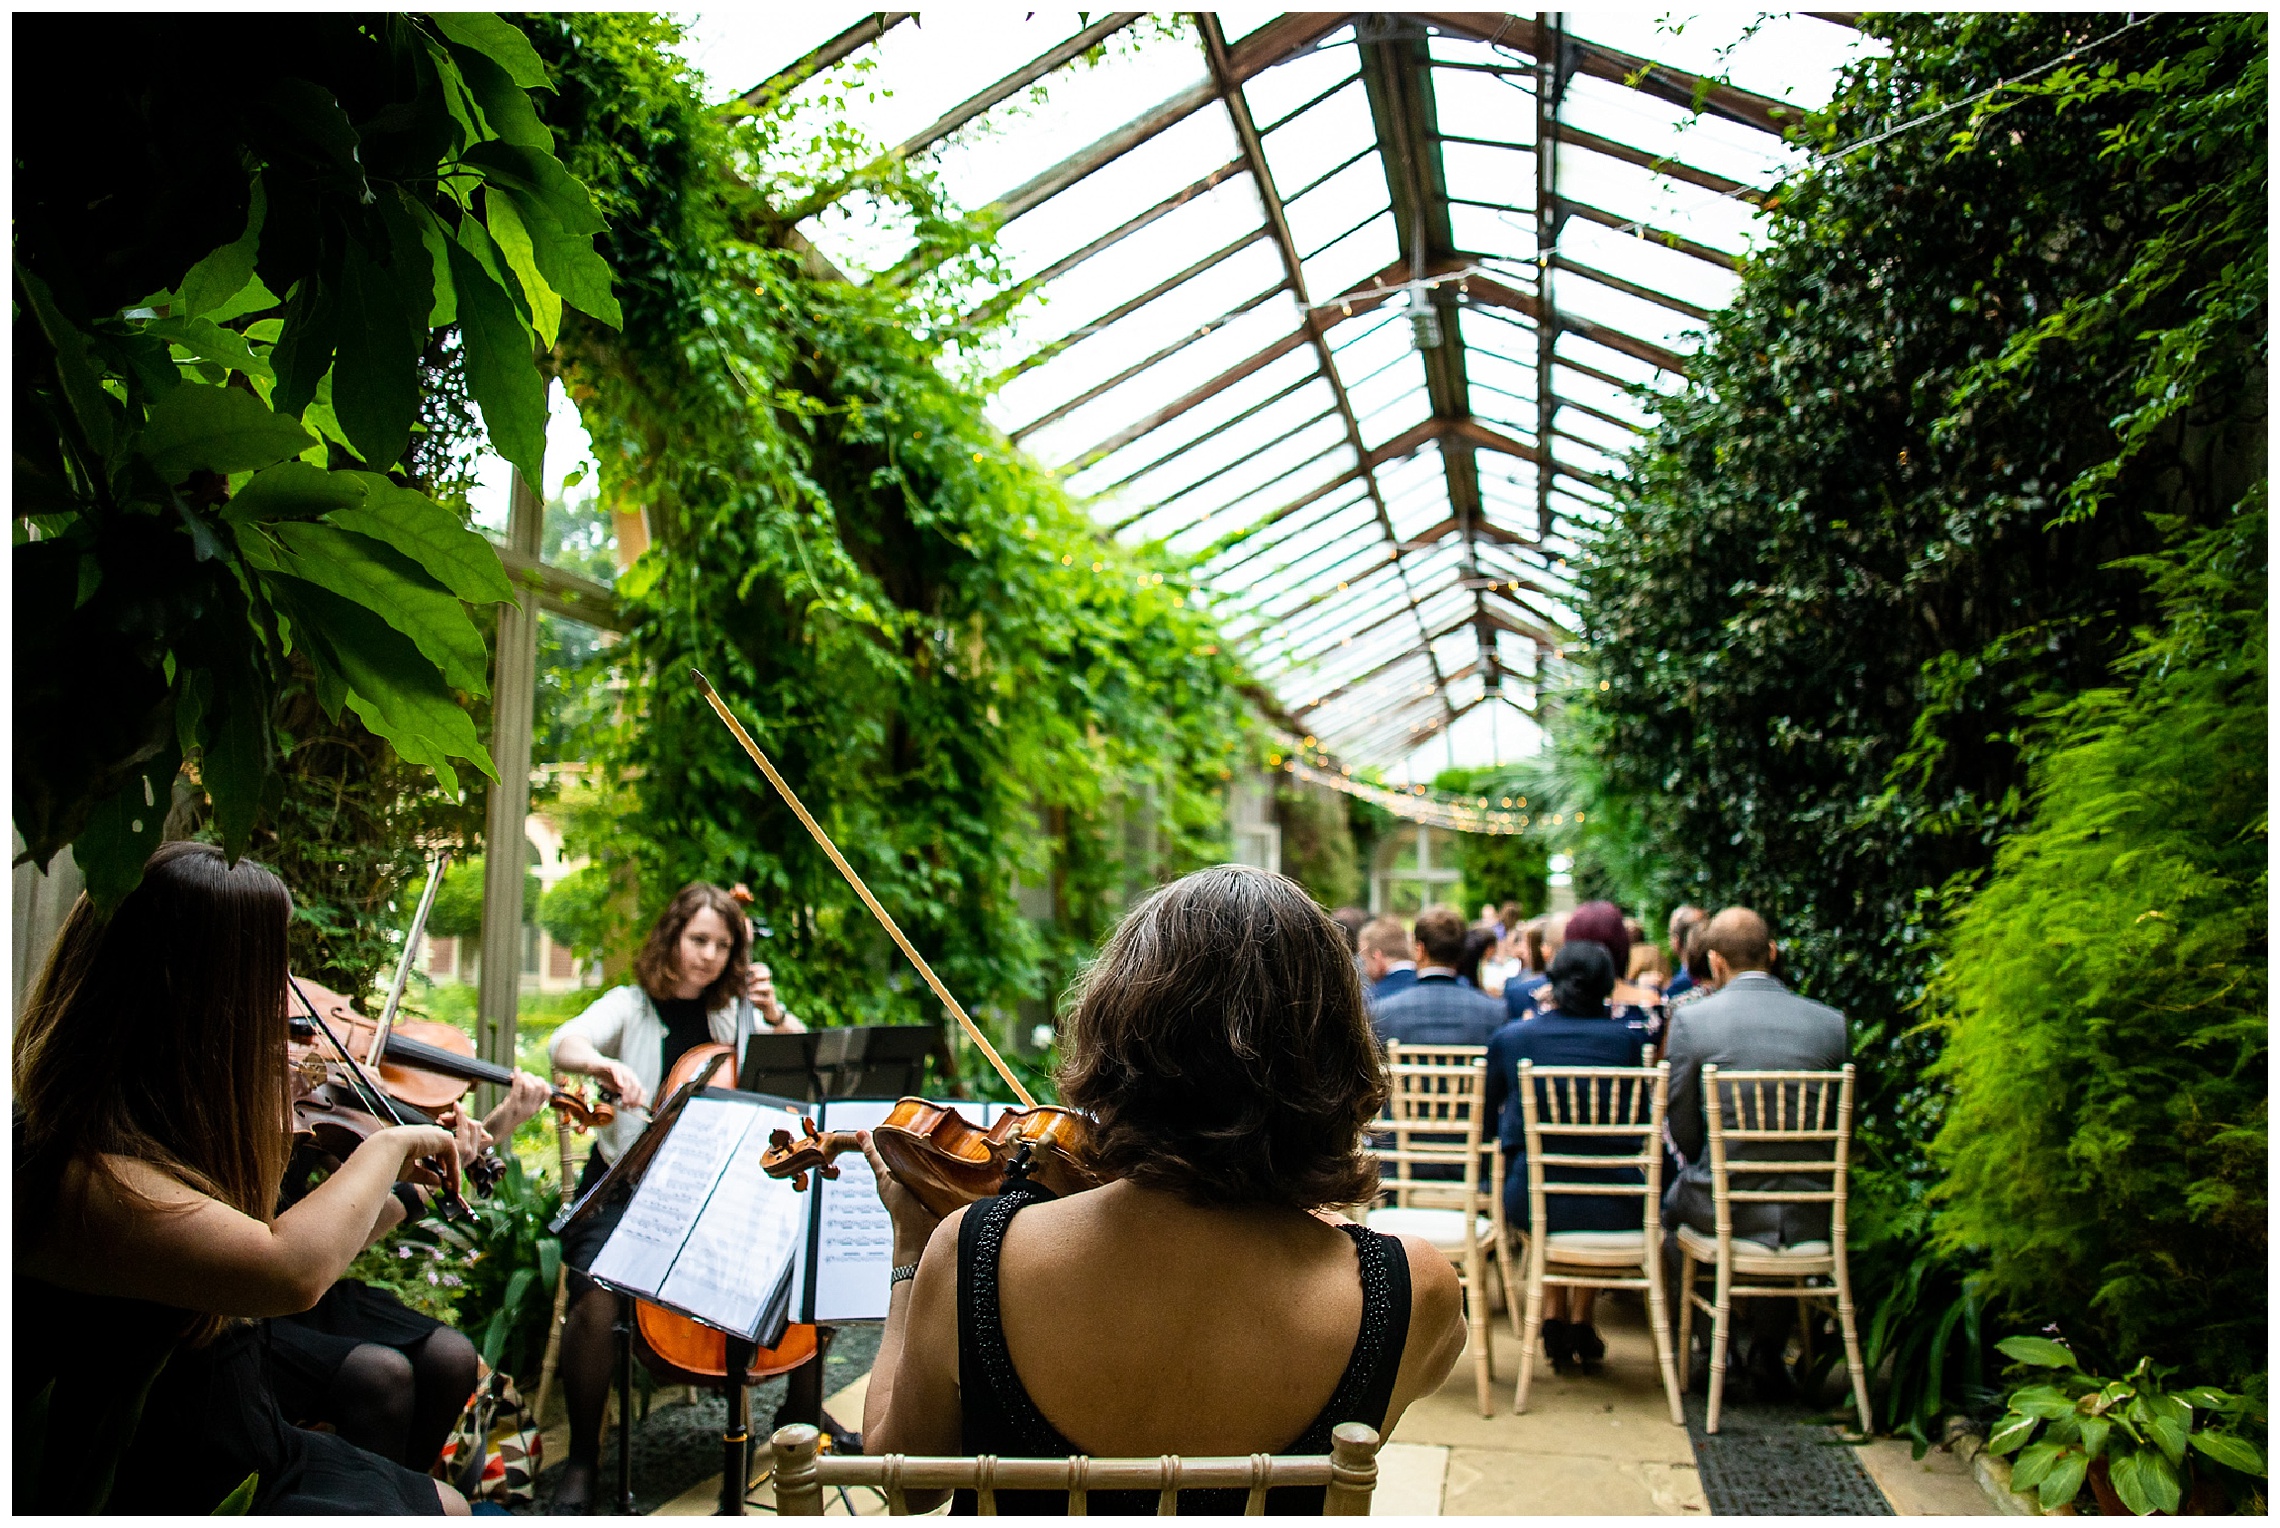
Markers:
1854,556
1977,369
2103,996
1318,848
930,638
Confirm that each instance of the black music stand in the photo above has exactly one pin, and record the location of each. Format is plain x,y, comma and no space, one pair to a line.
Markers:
893,1062
782,1065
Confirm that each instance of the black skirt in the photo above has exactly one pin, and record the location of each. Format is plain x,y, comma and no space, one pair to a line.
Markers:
307,1349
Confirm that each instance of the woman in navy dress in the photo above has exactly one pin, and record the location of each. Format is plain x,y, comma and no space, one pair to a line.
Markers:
1580,1030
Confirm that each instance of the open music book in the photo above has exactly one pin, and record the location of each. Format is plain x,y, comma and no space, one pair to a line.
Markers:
708,1234
711,1236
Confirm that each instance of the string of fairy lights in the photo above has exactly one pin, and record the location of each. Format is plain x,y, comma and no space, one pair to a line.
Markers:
1458,812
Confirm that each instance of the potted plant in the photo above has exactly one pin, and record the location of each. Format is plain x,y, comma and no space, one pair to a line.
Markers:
2134,1440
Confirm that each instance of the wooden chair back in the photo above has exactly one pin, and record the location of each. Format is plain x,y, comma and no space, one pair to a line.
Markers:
1348,1473
1803,1118
1595,1103
1431,1133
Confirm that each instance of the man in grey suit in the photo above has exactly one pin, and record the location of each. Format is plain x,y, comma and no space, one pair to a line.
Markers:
1438,1009
1751,1023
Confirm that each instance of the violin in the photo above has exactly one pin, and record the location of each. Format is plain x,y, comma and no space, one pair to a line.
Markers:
932,1150
945,1160
338,1106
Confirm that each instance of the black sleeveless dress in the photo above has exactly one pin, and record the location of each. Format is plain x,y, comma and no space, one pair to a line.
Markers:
1001,1419
207,1421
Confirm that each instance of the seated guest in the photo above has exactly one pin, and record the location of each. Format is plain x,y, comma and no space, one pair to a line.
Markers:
1479,942
1351,921
1528,995
1221,1047
1389,963
1683,923
1603,923
147,1236
1752,1023
1578,1031
1438,1009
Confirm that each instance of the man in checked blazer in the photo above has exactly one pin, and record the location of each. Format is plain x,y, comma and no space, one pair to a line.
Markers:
1751,1023
1438,1009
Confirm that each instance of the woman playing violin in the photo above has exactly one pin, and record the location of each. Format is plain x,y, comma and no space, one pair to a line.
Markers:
695,985
1208,1299
151,1143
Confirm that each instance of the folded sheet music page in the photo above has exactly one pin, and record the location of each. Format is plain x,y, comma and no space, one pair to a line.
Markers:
708,1233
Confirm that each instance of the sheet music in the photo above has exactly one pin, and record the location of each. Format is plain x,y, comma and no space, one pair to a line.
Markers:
736,1254
856,1247
671,1195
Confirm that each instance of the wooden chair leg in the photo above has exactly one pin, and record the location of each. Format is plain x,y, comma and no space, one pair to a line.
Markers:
1686,1317
1509,1283
1481,1328
1852,1345
1531,1325
1721,1320
1658,1317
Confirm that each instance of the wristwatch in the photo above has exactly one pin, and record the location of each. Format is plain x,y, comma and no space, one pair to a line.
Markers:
897,1275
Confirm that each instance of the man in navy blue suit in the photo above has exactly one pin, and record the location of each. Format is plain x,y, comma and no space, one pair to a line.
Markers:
1389,958
1438,1009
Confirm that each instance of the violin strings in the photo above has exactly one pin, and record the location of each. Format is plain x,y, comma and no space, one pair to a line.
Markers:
815,830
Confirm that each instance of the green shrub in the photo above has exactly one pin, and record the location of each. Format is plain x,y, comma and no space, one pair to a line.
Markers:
2103,996
1318,844
458,909
576,911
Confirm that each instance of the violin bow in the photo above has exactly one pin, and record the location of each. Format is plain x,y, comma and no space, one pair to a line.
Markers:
404,962
375,1098
894,931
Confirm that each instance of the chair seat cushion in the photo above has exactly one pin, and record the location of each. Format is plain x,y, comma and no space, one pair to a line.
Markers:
1598,1249
1443,1229
1756,1257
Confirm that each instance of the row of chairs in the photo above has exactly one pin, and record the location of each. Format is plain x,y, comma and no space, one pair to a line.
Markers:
1443,1174
1443,1169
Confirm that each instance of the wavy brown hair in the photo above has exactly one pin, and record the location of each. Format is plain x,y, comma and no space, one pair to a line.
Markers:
658,966
1222,1046
157,1032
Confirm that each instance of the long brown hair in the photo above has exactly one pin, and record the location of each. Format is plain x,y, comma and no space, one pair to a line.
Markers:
1222,1045
158,1033
659,964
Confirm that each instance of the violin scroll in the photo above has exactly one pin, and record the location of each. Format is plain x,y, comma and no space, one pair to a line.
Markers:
812,1152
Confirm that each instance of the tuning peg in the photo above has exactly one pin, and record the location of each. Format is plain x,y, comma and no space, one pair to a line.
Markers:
780,1139
829,1170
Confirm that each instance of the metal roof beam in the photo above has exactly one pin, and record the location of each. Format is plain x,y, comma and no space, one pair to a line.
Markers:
1227,72
1632,288
1651,235
1125,309
814,62
1673,169
1693,92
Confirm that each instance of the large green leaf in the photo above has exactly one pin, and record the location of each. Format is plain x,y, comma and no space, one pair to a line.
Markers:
315,125
296,490
498,40
384,581
569,262
237,759
2064,1480
2165,1420
541,179
122,832
2009,1433
240,1500
223,274
506,105
514,242
392,687
2231,1449
221,429
2042,1401
462,560
209,341
2033,1464
2145,1482
2039,1351
550,1259
95,411
502,371
376,378
304,351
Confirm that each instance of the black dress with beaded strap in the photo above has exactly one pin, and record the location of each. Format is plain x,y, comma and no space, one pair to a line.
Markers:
1001,1419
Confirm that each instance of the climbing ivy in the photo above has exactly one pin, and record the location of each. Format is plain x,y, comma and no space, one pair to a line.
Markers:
965,682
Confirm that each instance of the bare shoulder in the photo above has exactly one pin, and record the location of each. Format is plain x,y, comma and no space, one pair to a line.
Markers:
1434,1293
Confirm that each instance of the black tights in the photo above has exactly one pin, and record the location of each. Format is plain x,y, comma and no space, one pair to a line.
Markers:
402,1406
587,1365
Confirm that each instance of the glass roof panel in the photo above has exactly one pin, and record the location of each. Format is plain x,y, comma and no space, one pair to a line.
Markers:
1225,412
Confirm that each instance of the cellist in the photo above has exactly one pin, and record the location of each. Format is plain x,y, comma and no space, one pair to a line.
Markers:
695,985
151,1141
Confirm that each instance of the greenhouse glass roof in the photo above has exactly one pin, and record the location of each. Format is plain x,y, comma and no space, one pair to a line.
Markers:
1351,307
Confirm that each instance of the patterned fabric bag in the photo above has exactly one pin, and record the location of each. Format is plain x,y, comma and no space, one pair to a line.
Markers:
494,1452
